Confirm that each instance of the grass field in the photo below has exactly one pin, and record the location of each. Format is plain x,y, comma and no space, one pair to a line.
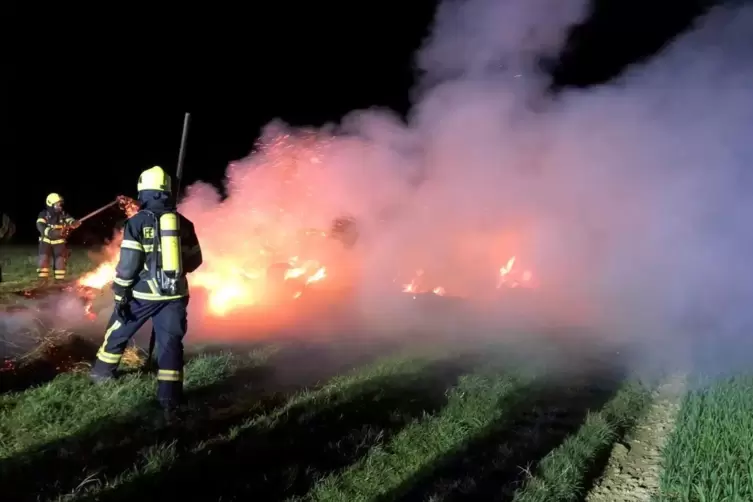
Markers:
289,421
19,265
709,456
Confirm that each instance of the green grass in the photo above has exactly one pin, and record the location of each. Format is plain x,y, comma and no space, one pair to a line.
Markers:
476,402
61,427
19,265
561,476
70,403
93,441
709,455
284,436
482,444
424,424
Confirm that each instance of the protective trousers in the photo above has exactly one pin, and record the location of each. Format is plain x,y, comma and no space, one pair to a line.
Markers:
55,255
169,319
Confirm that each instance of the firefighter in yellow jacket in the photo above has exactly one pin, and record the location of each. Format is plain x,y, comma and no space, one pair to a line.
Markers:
53,225
159,248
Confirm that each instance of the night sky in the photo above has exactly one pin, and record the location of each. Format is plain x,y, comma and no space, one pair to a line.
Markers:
92,98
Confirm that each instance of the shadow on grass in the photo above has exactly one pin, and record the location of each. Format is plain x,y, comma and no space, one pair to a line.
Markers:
285,457
106,449
52,361
496,462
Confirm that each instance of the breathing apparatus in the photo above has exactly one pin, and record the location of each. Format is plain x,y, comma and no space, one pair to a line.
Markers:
166,266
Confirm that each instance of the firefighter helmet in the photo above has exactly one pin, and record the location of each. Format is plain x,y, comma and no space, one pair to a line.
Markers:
154,178
53,199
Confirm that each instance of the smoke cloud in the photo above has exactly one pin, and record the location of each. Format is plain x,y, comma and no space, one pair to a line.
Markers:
629,203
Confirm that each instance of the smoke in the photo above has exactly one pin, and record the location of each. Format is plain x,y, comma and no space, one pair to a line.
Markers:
480,38
629,202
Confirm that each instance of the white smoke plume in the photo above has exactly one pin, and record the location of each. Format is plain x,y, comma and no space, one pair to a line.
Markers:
630,202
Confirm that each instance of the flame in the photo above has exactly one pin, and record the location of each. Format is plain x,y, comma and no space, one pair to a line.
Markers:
231,289
105,272
100,277
415,286
506,279
269,247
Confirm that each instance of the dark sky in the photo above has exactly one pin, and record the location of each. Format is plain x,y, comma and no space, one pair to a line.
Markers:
94,97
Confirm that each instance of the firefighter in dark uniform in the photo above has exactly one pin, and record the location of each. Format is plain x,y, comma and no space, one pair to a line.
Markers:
53,225
7,230
159,248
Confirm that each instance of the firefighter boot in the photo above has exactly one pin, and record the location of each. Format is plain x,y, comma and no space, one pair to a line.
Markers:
102,372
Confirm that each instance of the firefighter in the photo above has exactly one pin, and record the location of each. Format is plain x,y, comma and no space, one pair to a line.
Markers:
53,225
7,230
159,248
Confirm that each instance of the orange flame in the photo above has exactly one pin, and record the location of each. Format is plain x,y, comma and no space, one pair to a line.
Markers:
506,274
272,250
105,272
505,279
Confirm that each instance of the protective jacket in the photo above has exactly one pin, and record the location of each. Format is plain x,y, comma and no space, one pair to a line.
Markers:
51,225
140,252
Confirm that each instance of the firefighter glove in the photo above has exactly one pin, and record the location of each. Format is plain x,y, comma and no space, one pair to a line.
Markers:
123,308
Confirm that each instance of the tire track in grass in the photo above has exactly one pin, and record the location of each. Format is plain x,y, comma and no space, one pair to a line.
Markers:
564,474
709,455
634,468
477,401
281,452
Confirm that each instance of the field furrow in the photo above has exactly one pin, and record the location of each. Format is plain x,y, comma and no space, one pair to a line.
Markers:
280,452
389,468
565,474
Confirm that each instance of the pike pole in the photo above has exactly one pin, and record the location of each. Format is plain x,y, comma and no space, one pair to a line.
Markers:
176,192
181,156
93,213
97,211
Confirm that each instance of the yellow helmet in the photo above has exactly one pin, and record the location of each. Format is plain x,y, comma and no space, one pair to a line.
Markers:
53,199
154,178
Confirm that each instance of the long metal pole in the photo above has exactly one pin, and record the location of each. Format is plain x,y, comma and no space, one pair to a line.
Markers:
181,155
97,211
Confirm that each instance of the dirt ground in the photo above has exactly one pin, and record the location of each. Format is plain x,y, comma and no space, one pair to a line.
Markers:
632,474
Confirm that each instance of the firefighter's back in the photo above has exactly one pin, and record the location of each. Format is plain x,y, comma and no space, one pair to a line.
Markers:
171,251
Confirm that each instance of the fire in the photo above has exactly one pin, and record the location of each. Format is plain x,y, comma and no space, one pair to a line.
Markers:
506,279
100,277
105,272
508,276
415,286
267,243
229,288
258,258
